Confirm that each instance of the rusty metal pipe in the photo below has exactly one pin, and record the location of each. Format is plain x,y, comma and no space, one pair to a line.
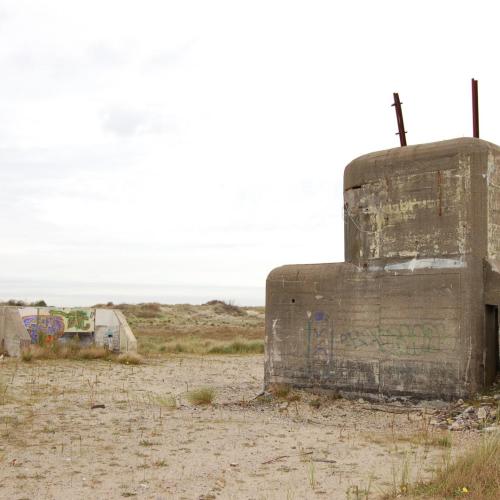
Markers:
475,110
399,116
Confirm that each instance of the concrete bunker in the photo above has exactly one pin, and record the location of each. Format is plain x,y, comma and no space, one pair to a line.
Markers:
413,310
22,326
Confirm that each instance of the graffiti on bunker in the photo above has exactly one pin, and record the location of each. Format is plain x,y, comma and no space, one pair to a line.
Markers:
50,324
50,327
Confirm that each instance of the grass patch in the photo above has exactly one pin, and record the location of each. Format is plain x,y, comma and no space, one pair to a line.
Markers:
315,403
73,350
160,463
146,443
239,346
475,474
130,358
165,401
442,441
4,386
201,396
192,344
425,435
27,355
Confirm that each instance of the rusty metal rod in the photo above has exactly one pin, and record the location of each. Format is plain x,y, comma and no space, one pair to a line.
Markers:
399,116
475,110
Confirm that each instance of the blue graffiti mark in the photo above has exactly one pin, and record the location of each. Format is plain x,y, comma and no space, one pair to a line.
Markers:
319,316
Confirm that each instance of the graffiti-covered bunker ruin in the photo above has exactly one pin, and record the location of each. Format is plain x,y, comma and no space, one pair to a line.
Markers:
21,326
413,310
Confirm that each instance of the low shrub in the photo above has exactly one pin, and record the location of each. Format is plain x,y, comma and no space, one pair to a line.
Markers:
201,396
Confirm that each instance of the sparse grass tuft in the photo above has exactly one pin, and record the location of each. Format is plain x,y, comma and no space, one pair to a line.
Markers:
442,441
166,401
130,358
311,475
27,355
315,403
239,346
146,443
201,396
425,435
160,463
4,386
475,474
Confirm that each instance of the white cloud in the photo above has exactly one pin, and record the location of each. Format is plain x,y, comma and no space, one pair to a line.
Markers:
127,122
177,146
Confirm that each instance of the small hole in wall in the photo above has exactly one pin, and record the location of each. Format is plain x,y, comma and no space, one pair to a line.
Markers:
293,301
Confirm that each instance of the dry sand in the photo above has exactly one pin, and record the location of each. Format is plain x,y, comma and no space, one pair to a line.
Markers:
53,445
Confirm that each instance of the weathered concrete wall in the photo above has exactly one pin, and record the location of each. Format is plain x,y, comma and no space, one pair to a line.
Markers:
112,330
107,329
128,342
406,313
13,334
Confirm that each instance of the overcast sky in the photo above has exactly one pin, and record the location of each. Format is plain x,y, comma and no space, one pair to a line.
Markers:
178,151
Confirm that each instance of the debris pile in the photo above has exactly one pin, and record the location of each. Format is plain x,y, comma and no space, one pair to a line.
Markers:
483,414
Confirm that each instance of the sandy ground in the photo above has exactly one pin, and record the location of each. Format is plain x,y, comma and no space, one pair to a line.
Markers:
53,445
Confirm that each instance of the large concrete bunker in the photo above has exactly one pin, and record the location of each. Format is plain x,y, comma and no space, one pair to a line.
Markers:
413,310
21,326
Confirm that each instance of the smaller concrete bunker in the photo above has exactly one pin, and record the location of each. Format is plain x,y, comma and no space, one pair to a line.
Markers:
22,326
413,310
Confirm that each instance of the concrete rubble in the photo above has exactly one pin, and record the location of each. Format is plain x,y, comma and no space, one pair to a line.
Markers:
482,415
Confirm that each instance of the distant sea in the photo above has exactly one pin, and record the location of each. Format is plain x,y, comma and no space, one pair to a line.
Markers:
87,294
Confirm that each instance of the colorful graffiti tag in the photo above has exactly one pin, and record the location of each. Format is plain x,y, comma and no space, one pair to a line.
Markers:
77,320
48,327
50,324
